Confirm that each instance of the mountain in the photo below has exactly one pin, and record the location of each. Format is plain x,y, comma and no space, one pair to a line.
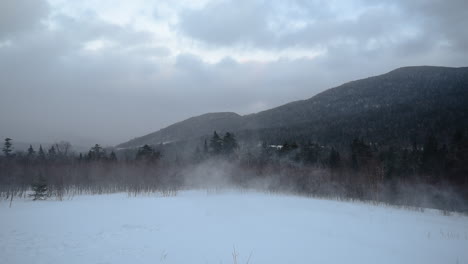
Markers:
403,105
190,128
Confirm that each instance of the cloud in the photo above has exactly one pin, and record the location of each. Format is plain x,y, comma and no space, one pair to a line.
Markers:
442,20
228,22
271,24
108,71
17,16
373,25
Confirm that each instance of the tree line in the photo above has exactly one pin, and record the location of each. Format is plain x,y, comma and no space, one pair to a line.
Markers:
360,170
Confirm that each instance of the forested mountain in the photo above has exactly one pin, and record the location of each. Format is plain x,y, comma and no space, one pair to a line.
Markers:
375,139
401,106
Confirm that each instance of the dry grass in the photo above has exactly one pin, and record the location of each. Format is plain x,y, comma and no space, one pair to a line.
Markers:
235,256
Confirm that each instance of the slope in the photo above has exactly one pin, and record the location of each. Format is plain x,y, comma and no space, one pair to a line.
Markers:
401,105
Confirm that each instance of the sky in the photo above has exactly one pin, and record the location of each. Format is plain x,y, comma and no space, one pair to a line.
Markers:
106,71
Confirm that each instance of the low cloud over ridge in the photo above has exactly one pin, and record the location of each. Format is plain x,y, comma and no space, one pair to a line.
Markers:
106,71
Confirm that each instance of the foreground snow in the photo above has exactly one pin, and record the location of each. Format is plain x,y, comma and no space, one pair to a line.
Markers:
196,227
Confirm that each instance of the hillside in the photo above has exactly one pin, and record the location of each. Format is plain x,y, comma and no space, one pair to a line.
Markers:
190,128
404,104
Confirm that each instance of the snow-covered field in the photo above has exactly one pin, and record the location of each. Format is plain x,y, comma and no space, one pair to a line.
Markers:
196,227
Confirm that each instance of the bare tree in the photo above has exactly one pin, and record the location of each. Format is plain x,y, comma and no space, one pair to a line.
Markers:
63,148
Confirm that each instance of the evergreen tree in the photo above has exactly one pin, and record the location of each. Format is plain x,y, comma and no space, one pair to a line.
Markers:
7,147
361,153
431,147
31,152
430,155
96,153
310,153
147,153
229,143
40,189
287,148
456,143
334,159
266,152
112,156
390,163
144,152
51,153
216,144
405,165
41,154
205,148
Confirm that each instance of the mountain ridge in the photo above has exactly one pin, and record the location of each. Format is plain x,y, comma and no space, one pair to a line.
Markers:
415,88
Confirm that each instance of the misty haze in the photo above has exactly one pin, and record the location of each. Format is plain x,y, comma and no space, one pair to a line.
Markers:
222,131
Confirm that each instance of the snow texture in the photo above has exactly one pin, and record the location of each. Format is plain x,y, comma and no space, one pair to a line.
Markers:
200,227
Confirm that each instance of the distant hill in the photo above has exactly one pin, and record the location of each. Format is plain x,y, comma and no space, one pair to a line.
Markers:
403,105
22,146
191,128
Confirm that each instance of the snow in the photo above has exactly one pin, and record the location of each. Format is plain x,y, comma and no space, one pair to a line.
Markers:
201,227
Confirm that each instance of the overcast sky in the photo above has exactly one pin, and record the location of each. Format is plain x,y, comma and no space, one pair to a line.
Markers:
109,70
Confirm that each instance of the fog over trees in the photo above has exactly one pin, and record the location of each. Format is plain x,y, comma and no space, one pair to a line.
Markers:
432,174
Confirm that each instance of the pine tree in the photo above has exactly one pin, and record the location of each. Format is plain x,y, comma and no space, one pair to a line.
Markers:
31,152
205,148
41,154
334,158
430,155
147,153
229,143
266,152
310,153
96,153
286,148
361,153
40,189
216,144
112,156
7,147
51,153
390,163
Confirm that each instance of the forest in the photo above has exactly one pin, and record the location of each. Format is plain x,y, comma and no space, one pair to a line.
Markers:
433,174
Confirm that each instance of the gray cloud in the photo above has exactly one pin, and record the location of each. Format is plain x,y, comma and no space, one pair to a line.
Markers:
228,22
20,15
54,88
444,19
271,24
